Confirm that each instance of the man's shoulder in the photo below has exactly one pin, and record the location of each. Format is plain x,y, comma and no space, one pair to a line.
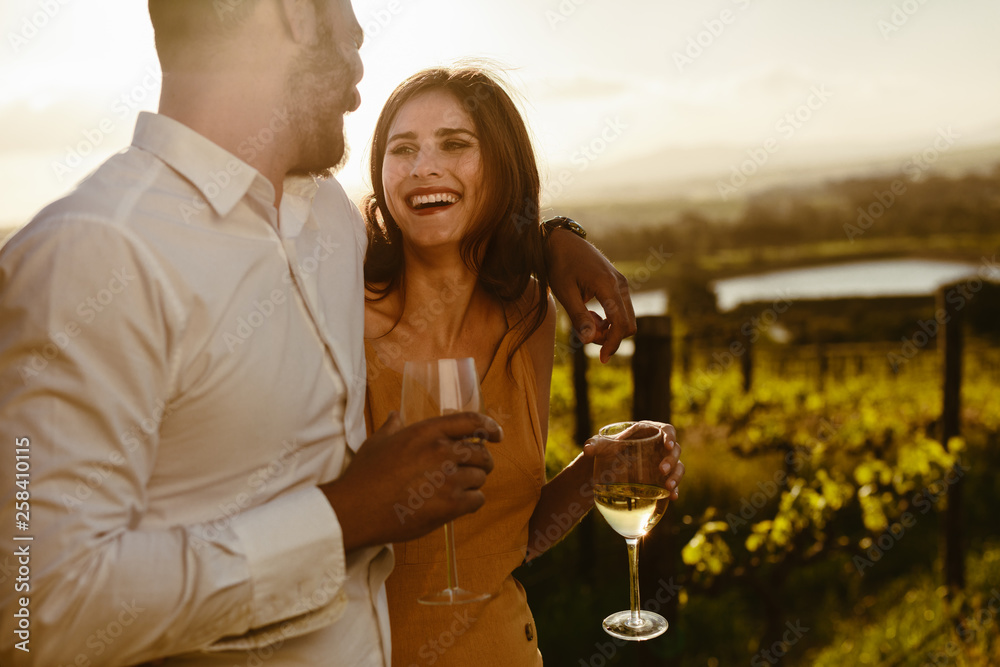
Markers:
115,198
127,189
112,192
333,206
333,194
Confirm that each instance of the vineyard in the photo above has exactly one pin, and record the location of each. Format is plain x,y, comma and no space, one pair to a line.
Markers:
810,520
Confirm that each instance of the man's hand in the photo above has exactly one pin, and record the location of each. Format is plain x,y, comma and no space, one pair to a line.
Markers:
670,465
578,272
405,482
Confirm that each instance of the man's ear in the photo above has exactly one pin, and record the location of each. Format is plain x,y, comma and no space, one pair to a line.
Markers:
300,20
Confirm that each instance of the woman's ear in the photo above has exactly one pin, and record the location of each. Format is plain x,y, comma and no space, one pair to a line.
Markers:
300,20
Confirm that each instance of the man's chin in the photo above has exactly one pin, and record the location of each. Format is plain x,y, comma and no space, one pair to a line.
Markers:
345,155
325,167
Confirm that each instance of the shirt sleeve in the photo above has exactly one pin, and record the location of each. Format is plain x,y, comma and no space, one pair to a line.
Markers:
87,329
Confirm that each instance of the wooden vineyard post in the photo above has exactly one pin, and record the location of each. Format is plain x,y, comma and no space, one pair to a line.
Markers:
746,364
652,366
686,354
950,346
581,410
823,363
582,431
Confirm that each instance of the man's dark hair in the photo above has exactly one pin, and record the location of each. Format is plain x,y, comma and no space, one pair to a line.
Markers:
181,25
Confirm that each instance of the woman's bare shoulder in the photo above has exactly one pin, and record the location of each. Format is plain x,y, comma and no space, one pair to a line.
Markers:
381,313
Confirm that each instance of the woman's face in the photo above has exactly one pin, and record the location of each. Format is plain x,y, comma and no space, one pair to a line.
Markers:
432,170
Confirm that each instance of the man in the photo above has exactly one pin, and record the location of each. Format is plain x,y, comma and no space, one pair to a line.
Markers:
182,374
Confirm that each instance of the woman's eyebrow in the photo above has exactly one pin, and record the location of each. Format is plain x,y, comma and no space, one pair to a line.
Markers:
441,132
401,135
450,131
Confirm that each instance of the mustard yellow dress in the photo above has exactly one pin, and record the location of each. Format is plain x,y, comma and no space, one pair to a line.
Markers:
490,543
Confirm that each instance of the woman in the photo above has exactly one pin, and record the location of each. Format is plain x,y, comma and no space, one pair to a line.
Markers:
455,269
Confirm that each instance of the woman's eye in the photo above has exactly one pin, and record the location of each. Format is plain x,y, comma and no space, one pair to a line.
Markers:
454,145
402,149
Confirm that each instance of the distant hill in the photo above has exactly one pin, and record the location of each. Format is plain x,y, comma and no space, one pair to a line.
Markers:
695,173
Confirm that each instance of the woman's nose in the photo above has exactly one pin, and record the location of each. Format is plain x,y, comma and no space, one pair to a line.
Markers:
425,164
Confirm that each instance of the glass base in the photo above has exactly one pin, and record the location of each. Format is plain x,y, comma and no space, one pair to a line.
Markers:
650,625
453,596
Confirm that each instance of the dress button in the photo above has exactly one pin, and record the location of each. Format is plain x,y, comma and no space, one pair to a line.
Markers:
529,632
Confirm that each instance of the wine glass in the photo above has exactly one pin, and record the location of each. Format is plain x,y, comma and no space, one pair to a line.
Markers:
431,389
630,491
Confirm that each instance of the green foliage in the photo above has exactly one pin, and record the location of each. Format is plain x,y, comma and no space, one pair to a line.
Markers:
910,623
817,496
804,500
858,448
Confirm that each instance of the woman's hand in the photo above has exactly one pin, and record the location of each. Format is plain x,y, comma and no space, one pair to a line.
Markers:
671,464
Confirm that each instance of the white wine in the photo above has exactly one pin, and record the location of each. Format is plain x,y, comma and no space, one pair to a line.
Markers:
630,454
631,509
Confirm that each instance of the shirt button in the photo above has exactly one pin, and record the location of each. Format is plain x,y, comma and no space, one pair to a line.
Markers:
529,632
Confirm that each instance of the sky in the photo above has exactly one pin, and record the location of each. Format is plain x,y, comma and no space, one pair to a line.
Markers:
603,84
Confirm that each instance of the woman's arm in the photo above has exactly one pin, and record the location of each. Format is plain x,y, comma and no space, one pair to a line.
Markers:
567,497
541,348
565,500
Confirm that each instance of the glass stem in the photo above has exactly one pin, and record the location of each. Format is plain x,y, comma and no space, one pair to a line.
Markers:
633,576
449,547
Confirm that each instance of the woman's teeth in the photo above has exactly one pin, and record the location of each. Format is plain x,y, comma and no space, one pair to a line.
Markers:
436,199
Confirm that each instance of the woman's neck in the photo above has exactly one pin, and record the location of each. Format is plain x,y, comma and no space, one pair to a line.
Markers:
440,311
443,301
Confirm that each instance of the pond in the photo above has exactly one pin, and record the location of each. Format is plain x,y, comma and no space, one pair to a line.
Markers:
895,277
891,277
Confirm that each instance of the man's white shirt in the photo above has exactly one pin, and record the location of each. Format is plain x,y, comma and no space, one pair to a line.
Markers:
187,363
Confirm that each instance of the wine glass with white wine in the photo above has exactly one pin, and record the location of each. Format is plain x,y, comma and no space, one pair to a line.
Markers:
431,389
630,492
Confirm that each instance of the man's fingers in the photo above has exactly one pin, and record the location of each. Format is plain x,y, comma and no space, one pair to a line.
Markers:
601,328
466,492
628,321
469,479
470,501
617,304
580,316
462,425
393,423
474,454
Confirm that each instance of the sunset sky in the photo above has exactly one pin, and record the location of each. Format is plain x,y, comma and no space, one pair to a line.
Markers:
882,76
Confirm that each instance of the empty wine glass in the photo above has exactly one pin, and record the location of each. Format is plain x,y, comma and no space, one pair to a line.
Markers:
431,389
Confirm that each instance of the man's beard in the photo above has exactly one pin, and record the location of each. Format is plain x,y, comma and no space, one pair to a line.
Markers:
320,91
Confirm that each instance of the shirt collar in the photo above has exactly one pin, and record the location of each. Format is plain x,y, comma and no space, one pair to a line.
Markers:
296,204
301,186
221,177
